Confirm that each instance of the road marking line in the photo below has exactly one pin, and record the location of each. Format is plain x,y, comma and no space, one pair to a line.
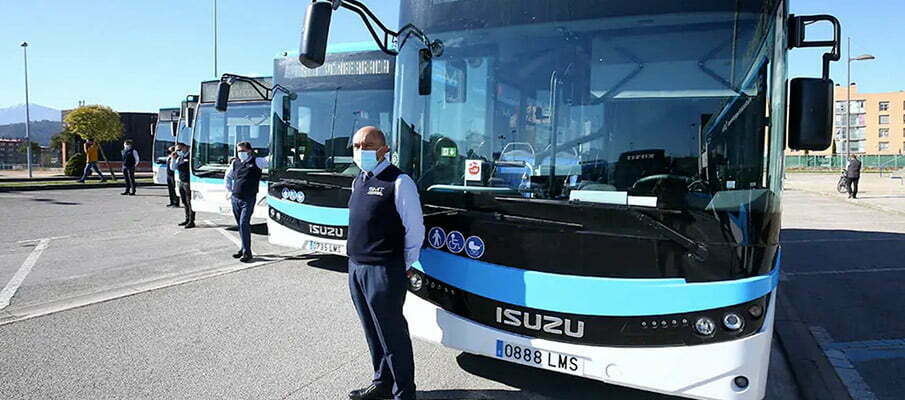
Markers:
10,290
231,238
857,388
846,271
39,310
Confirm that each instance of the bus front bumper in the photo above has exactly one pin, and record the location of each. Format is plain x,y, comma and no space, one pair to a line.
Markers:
706,371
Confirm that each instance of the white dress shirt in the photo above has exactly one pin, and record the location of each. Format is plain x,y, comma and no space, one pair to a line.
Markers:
408,205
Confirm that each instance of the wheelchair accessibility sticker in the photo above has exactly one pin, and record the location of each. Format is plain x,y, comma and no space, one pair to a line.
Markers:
455,242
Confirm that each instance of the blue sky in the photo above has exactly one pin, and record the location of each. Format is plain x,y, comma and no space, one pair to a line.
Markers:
141,55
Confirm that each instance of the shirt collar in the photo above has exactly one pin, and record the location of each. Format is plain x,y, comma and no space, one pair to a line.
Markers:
382,165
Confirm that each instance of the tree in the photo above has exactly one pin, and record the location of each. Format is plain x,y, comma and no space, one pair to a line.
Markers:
35,149
99,123
65,136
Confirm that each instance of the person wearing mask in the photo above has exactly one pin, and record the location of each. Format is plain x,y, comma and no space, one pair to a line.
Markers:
181,168
852,176
91,153
242,179
386,231
172,158
130,162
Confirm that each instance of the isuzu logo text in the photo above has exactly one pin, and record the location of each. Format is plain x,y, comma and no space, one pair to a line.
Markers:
540,323
326,230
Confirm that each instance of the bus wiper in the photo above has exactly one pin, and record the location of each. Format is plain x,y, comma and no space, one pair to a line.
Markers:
443,210
694,248
325,185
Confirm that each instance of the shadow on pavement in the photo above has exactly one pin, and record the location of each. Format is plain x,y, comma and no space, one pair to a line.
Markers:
54,201
546,383
849,284
325,262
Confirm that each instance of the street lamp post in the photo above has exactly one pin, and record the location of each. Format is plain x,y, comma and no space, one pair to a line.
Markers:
27,116
215,40
848,97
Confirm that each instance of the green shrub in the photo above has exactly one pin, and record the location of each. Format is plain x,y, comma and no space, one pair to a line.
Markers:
75,165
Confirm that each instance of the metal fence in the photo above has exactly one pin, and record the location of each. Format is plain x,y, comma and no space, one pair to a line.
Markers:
881,162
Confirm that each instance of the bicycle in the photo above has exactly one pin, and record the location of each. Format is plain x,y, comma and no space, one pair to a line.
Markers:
842,187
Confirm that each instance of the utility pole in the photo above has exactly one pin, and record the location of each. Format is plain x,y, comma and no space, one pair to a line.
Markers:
848,97
215,39
27,116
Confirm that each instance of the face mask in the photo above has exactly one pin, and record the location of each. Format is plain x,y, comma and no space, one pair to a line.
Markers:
181,153
244,156
127,147
365,159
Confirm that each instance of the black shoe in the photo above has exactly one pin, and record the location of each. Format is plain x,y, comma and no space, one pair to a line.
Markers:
80,181
183,223
191,224
123,193
239,254
246,258
172,205
372,392
103,180
132,194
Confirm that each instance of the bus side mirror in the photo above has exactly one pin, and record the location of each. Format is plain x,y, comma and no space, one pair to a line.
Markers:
189,117
173,127
153,129
425,70
287,109
313,47
222,95
810,113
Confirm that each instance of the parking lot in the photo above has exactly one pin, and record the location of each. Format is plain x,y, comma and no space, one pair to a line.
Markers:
119,302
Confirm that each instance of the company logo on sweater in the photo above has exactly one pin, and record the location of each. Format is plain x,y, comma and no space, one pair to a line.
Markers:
375,191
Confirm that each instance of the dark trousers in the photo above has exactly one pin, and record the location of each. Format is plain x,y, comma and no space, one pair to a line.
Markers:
171,188
851,184
242,210
378,292
89,166
129,177
185,191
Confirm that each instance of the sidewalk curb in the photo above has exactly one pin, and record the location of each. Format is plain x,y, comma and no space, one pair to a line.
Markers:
69,186
842,200
815,376
138,175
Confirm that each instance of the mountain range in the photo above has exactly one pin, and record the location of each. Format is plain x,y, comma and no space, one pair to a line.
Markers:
16,114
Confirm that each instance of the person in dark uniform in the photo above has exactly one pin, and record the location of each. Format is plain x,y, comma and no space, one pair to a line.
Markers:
852,176
130,162
386,231
171,176
185,189
242,179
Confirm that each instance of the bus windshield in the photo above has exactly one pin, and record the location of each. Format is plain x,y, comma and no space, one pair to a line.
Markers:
313,132
216,134
567,106
163,139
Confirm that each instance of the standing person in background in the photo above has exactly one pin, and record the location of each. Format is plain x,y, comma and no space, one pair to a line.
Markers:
242,179
171,176
852,176
181,165
130,162
91,152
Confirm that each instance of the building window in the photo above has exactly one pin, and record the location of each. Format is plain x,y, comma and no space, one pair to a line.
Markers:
884,119
883,146
884,106
884,132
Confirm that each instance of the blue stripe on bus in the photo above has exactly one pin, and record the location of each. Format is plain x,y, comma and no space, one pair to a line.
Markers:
590,295
312,214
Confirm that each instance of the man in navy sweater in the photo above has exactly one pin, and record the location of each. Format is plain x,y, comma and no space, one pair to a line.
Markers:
386,230
242,179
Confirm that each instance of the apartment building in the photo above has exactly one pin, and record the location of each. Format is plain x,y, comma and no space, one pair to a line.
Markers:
876,124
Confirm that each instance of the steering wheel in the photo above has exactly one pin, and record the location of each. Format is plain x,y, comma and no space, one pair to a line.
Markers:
659,179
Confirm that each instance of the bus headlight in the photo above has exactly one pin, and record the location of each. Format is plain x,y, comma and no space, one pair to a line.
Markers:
733,321
705,326
756,311
415,281
279,216
273,213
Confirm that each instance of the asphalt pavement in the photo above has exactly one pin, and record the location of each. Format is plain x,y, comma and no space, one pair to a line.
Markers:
122,303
